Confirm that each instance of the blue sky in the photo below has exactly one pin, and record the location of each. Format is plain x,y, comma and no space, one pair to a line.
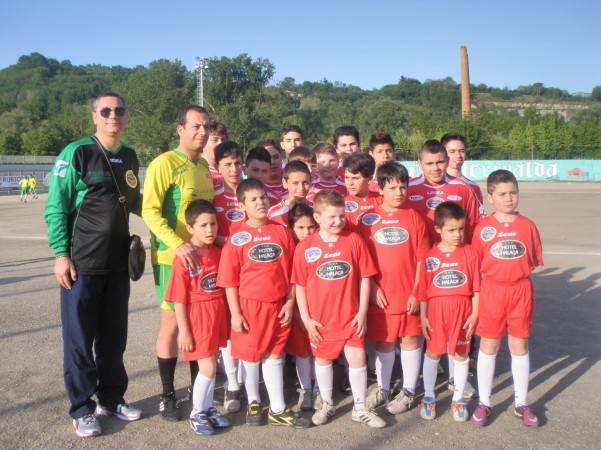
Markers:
368,44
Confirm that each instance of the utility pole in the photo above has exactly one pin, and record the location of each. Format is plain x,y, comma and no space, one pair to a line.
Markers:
201,65
466,101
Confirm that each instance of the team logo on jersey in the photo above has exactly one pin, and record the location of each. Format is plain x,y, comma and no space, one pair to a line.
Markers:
333,270
449,279
487,233
416,198
265,252
370,218
455,198
219,209
209,283
194,272
508,250
241,238
432,264
312,254
433,202
235,215
351,206
391,236
131,179
60,168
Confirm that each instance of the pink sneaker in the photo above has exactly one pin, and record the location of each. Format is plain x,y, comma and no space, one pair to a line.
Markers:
525,413
480,415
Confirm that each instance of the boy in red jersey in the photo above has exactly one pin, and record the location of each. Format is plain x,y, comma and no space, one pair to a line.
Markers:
200,313
359,169
347,142
291,137
397,239
381,148
297,181
217,134
448,292
327,166
274,183
255,272
510,247
258,166
331,273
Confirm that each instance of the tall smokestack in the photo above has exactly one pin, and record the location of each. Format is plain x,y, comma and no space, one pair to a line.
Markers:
465,83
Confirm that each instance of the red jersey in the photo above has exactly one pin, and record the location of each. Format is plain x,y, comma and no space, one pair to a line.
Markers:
446,274
278,189
272,197
475,189
509,251
215,175
258,262
373,185
355,207
330,272
229,215
319,185
424,197
189,286
279,213
396,241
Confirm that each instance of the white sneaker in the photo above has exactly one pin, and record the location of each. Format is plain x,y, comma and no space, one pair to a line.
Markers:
87,426
377,397
323,414
368,417
123,411
401,403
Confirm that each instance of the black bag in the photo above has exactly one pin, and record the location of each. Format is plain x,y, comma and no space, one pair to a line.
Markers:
136,258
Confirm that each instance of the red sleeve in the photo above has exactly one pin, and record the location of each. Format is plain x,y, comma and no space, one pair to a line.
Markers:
299,268
229,267
423,241
472,211
474,264
537,251
421,293
364,261
179,283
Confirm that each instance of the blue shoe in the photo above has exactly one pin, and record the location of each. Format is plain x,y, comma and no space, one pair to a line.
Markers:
201,425
216,419
459,411
427,408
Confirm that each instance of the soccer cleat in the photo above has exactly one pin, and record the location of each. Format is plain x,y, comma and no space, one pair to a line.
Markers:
123,411
427,408
401,403
368,417
377,397
216,419
459,411
201,425
253,414
87,426
305,400
317,401
288,418
323,414
168,408
231,401
468,393
480,415
528,417
372,375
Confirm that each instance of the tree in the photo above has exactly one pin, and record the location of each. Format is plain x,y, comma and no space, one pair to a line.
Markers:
10,144
44,140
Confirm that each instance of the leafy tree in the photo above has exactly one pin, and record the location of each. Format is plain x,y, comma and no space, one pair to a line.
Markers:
10,143
44,140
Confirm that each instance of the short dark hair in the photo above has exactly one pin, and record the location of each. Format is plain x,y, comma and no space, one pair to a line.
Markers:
446,211
303,154
298,211
269,143
391,171
107,94
288,128
500,176
452,137
324,148
325,198
257,154
196,208
360,163
219,128
380,137
346,130
294,167
227,149
182,115
250,184
433,147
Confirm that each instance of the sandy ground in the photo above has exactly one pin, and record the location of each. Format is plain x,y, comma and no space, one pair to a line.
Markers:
565,352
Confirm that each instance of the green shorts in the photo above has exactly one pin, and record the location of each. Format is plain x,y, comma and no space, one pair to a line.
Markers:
162,272
24,191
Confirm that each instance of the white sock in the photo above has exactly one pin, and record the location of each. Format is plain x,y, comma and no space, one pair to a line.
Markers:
231,367
411,362
325,379
303,371
209,397
520,369
358,381
462,369
451,366
429,372
370,354
384,364
274,382
486,373
251,381
202,386
241,372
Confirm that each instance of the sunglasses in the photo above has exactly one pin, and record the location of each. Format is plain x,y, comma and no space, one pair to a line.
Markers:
120,111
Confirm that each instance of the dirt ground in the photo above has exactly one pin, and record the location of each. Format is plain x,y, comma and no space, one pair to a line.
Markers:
565,352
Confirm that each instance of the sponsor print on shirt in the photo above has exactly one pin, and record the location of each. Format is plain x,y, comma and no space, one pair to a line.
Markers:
391,236
508,249
449,279
333,270
209,283
265,252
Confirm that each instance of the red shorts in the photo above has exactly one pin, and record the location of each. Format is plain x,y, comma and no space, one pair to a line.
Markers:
382,327
503,307
207,324
332,349
447,315
298,341
265,333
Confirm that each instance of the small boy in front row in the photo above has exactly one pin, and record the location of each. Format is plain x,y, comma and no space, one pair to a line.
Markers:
200,314
332,271
510,248
449,293
255,272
